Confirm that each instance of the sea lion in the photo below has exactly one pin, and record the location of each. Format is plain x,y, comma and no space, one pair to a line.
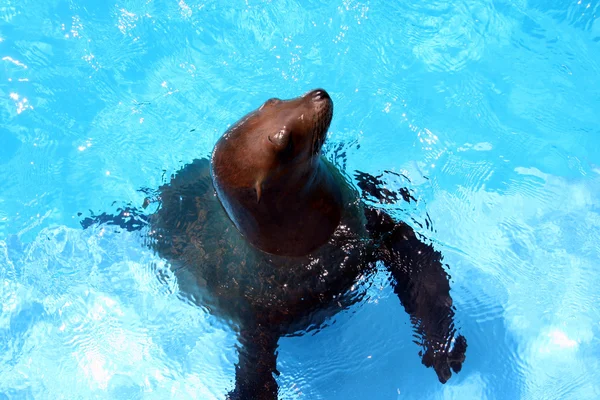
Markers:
270,235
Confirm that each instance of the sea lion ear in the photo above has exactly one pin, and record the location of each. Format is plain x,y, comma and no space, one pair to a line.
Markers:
282,139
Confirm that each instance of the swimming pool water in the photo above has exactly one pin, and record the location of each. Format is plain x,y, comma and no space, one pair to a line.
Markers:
489,107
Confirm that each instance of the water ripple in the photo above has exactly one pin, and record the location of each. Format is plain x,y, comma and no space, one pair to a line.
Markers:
110,324
489,109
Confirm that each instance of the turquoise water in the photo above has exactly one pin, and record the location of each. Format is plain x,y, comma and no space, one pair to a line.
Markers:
489,107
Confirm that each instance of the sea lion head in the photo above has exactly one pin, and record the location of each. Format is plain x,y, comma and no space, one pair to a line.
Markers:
269,176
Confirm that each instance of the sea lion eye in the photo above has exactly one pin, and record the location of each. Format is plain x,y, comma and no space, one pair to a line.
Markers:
270,102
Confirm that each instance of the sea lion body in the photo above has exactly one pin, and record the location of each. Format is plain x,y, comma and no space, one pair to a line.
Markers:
271,236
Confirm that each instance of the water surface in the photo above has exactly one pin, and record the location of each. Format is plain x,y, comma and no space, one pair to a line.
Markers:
489,107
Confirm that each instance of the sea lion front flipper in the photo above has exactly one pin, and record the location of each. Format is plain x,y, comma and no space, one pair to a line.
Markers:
257,364
177,200
422,285
129,218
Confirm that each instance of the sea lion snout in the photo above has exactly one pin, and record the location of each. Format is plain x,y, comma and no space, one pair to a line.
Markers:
318,94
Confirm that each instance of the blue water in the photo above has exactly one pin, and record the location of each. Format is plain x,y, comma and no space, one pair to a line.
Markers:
491,108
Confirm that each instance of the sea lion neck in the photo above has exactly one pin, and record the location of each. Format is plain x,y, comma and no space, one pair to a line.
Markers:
286,222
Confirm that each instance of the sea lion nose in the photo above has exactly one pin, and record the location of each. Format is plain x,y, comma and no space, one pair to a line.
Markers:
319,94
